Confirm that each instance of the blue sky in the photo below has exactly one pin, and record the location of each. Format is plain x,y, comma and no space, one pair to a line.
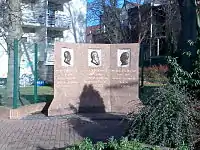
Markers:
96,21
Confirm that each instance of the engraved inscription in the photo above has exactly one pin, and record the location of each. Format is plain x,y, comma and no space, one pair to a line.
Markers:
123,71
65,79
98,77
123,78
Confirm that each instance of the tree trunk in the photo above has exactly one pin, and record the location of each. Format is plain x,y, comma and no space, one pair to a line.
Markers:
188,31
27,56
14,32
73,22
10,79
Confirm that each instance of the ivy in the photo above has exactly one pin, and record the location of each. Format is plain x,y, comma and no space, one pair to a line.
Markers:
177,75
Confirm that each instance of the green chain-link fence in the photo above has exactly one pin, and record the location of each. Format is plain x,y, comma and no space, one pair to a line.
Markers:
31,75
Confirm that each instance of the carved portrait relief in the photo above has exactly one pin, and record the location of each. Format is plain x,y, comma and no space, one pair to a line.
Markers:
67,57
94,57
123,57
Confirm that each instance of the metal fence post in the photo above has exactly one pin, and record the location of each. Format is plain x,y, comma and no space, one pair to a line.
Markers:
16,74
35,73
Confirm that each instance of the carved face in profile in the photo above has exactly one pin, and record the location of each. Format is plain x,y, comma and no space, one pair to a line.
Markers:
124,58
95,58
67,57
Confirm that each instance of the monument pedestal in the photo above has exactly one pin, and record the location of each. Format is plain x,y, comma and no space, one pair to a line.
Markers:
95,78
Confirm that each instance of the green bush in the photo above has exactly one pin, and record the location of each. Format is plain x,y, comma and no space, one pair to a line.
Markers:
112,144
167,120
189,79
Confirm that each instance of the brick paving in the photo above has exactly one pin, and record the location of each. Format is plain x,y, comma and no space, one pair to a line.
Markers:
44,133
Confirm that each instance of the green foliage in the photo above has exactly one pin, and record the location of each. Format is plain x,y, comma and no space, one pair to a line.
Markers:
183,147
167,120
169,117
177,75
113,144
181,77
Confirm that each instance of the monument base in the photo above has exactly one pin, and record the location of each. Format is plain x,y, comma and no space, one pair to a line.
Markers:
133,106
23,111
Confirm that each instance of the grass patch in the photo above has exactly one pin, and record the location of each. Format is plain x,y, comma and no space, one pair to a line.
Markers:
42,90
45,93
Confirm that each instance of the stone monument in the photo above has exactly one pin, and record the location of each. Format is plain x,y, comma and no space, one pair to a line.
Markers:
95,78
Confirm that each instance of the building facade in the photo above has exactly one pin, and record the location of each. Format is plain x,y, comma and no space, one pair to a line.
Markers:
45,22
154,26
150,24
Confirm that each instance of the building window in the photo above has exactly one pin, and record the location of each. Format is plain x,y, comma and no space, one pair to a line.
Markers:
24,39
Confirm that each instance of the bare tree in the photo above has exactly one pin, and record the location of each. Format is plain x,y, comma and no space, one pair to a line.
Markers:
147,23
108,12
10,29
14,14
77,19
120,25
172,25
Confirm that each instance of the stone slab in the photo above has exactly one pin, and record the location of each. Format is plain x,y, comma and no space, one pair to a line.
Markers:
8,113
95,78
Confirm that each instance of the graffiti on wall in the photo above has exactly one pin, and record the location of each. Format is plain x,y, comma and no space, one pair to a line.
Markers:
26,65
26,74
26,80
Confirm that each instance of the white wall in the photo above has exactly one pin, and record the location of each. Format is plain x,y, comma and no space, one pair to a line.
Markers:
3,59
25,68
76,10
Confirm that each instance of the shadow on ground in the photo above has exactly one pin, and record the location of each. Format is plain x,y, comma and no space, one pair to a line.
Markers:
41,98
97,127
93,122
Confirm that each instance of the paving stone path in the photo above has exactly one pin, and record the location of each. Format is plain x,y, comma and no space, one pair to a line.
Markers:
38,132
